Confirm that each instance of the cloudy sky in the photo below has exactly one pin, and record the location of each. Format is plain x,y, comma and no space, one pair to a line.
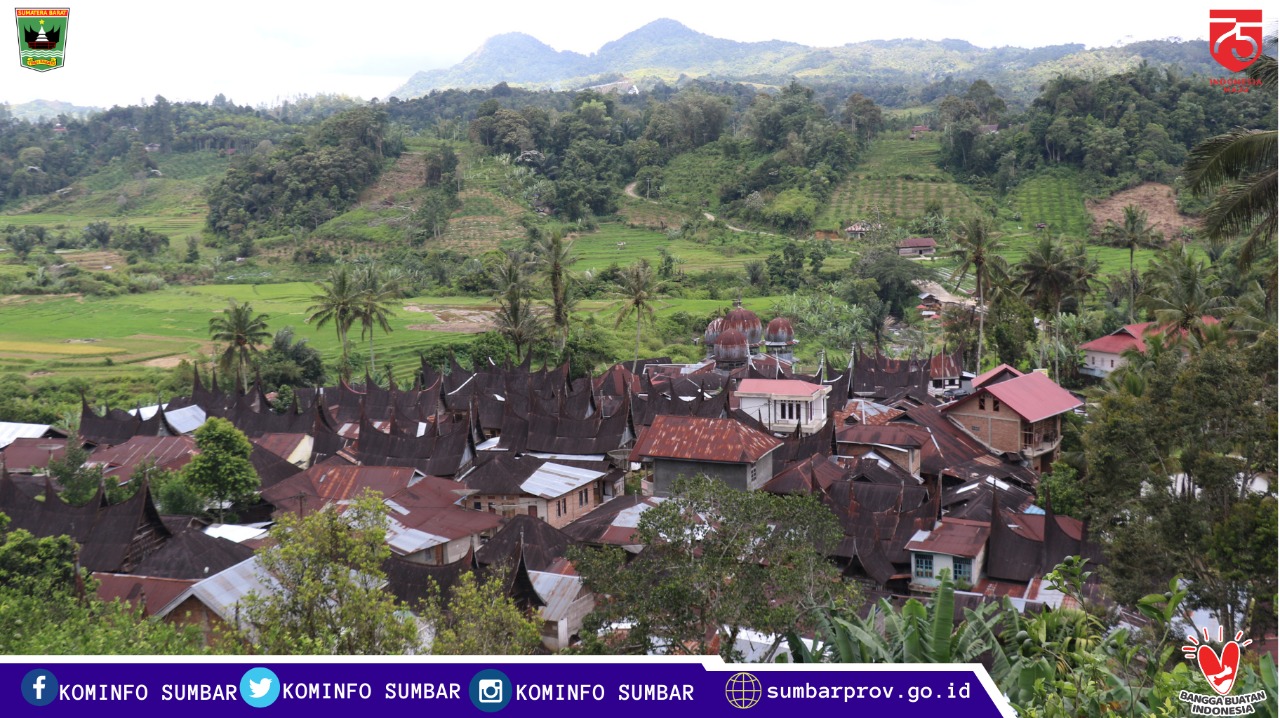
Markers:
121,51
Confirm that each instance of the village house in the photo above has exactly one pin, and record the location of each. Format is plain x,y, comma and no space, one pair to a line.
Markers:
1020,416
917,247
723,449
1106,354
955,545
556,491
784,404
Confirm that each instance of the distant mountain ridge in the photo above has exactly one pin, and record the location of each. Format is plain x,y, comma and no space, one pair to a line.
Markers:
667,50
36,110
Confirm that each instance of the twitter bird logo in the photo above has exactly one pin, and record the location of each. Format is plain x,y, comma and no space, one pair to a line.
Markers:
260,687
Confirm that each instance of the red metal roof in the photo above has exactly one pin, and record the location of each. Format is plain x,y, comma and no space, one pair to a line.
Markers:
987,376
156,592
1032,396
695,438
778,387
1130,336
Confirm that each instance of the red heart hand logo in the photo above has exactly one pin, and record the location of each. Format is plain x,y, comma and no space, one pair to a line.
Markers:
1220,670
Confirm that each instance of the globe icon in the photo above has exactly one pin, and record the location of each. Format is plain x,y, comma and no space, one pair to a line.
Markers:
742,690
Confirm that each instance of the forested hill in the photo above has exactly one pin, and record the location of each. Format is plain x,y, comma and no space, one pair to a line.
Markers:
665,50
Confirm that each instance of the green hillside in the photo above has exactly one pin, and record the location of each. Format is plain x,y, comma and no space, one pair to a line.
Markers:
898,176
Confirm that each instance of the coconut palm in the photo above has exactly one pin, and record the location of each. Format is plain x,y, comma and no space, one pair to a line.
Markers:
1048,274
1182,290
978,252
1239,169
1133,233
518,323
639,290
557,255
374,307
338,303
243,331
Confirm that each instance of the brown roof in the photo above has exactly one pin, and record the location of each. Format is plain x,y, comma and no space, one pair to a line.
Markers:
695,438
24,454
542,543
807,476
954,537
898,435
167,452
335,480
151,591
917,243
281,445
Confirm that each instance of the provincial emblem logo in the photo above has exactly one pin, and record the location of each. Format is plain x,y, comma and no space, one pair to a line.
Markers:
42,38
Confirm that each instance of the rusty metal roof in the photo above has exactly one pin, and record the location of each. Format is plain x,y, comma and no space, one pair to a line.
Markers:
694,438
953,537
166,452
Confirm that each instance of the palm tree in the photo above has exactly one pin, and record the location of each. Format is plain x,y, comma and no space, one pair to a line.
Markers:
558,255
1239,170
338,302
1132,234
243,331
978,252
518,323
1047,275
639,290
1182,290
373,305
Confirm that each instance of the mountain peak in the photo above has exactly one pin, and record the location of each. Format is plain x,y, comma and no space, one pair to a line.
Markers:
664,27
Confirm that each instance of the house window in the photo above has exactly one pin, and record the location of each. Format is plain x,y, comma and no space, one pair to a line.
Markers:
982,403
1113,363
924,565
963,569
995,404
477,505
582,497
557,508
751,478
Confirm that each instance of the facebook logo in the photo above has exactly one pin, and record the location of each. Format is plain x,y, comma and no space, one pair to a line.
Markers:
39,687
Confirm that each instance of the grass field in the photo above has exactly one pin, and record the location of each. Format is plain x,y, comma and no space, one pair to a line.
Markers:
898,176
615,242
1055,199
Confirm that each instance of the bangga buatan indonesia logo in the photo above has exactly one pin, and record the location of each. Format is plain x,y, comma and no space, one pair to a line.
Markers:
1235,37
42,38
1220,669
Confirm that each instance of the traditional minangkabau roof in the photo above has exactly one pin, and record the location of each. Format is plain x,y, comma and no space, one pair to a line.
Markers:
543,543
113,537
694,438
807,476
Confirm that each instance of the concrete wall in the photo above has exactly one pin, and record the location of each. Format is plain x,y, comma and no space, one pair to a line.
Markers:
739,476
1100,364
943,561
545,508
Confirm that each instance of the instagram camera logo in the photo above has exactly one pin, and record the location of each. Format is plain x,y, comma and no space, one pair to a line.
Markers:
39,687
490,690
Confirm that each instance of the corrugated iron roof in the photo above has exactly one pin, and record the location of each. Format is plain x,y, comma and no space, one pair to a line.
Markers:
10,430
990,374
224,591
779,387
1032,396
953,537
166,452
552,480
558,592
695,438
152,592
24,454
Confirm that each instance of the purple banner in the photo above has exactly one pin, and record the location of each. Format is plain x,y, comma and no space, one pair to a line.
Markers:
618,689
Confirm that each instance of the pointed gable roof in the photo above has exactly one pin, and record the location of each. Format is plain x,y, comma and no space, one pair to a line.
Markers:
1000,373
1032,396
695,438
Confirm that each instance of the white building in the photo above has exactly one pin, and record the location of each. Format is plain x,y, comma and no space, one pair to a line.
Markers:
784,404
